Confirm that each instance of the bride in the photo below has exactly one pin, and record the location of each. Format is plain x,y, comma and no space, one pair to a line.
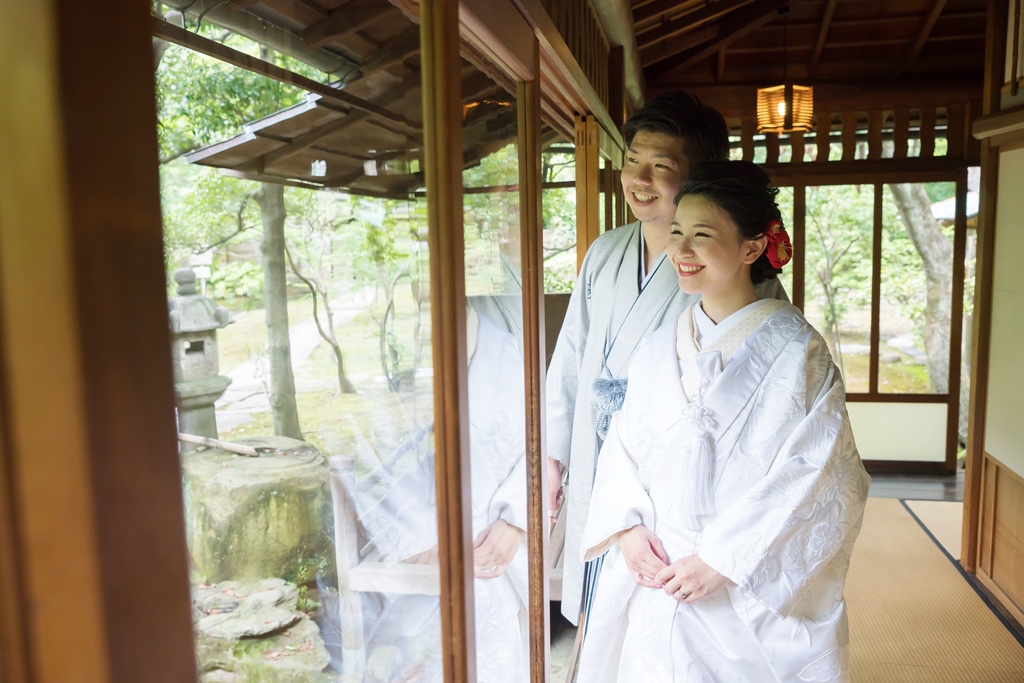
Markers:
729,492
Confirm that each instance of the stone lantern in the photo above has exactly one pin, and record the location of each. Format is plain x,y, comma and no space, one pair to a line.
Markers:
195,320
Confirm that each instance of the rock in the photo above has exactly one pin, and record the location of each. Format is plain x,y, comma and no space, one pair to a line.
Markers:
249,518
262,638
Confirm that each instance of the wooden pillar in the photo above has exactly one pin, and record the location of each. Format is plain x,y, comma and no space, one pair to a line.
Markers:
955,131
823,127
796,146
588,185
532,241
927,132
442,134
900,134
995,55
747,128
94,571
771,145
875,134
849,135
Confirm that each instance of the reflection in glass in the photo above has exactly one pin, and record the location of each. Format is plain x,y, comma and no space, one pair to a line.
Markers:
312,527
917,285
837,275
496,397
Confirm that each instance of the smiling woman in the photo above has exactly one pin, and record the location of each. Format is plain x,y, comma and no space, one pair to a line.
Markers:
752,519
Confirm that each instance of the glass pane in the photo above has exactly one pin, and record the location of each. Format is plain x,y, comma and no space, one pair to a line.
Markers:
558,166
916,292
837,275
315,555
496,399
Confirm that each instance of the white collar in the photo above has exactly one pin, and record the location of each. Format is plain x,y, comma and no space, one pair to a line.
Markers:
707,331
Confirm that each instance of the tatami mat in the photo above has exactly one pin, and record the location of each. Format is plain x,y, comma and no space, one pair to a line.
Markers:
943,519
913,616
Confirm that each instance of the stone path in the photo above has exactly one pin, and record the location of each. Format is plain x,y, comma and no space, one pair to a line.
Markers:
247,393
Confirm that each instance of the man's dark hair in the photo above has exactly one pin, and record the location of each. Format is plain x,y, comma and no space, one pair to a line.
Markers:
684,116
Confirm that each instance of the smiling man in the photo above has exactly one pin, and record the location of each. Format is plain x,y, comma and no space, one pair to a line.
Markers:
624,290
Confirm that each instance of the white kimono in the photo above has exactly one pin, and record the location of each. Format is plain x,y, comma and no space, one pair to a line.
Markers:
787,491
608,315
396,505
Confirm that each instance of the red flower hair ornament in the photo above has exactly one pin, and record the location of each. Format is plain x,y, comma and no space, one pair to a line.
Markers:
779,250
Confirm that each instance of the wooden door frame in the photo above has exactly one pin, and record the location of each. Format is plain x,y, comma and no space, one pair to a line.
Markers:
91,494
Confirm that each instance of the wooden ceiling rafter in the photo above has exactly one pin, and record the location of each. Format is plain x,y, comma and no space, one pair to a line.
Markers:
688,22
819,44
681,44
342,21
720,66
185,38
927,24
661,8
731,29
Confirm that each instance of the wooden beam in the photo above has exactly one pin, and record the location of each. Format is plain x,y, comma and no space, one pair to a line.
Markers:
687,22
659,52
720,68
864,172
659,8
313,7
819,43
927,24
347,19
734,27
180,36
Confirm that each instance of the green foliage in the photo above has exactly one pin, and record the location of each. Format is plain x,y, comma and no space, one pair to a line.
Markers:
202,100
839,223
237,279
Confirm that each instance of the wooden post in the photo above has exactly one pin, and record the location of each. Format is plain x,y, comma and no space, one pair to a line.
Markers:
94,570
900,134
799,240
747,128
875,134
849,135
927,132
955,131
442,134
823,127
532,244
588,185
995,54
771,145
796,146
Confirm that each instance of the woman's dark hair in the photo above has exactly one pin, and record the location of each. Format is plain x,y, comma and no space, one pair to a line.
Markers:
746,194
683,116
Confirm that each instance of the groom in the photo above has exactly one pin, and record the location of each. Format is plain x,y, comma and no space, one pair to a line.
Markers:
624,291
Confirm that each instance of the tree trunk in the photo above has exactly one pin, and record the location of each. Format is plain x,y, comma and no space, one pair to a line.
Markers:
937,255
282,381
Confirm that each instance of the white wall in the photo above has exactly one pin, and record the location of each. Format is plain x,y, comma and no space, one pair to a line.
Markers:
1004,426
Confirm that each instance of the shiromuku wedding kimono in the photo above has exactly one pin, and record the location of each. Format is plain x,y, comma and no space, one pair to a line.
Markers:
396,505
734,446
609,312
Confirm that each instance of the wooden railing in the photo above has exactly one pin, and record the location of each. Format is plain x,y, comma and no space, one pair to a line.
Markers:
926,133
578,25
